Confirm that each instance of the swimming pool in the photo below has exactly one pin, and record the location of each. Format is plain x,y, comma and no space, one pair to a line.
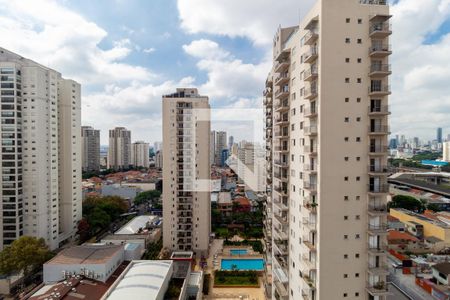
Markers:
238,251
242,264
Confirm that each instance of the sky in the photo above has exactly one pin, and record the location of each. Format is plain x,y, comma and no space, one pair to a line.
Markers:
128,53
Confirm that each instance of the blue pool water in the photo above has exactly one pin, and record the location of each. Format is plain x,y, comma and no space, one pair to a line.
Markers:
238,251
242,264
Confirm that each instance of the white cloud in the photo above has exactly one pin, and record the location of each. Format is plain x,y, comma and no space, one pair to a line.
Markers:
149,50
253,19
55,36
205,49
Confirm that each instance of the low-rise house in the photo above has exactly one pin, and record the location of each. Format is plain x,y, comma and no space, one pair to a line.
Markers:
399,240
441,272
242,204
224,204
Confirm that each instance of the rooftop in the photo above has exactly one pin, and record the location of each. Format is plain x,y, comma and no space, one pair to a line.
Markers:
137,224
142,280
86,254
224,198
443,268
422,218
398,235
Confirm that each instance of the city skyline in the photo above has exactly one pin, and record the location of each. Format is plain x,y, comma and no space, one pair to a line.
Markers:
131,61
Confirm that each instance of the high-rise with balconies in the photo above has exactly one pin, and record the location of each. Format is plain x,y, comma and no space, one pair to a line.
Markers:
90,145
119,151
186,171
140,155
326,102
41,152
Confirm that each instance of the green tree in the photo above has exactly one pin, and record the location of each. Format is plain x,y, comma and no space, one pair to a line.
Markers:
25,254
434,207
407,202
98,219
147,196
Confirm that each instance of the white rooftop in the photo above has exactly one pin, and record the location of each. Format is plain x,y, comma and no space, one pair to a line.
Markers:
143,280
135,224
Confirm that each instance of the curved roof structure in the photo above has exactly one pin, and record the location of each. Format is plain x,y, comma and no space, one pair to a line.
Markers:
143,280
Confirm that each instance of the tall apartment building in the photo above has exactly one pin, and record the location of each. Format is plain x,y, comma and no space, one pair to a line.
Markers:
158,159
186,171
439,135
90,145
212,147
220,144
41,152
329,116
446,151
119,151
140,155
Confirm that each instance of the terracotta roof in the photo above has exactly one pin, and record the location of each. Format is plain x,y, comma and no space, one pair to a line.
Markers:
399,235
242,201
392,219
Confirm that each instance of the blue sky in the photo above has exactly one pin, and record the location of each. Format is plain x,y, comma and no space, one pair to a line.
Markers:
127,53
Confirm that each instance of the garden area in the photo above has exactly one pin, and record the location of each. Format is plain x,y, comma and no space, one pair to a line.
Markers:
153,250
255,244
236,278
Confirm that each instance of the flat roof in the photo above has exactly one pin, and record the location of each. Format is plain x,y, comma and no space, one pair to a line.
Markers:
137,223
143,280
86,254
224,198
418,184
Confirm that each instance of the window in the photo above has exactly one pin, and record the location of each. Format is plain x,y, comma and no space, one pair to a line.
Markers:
347,99
345,198
357,217
357,255
345,256
359,60
358,100
356,275
358,80
358,119
345,236
347,80
359,41
347,20
347,60
346,119
345,218
358,158
357,198
345,275
358,178
356,294
358,139
347,40
345,295
357,236
346,178
346,139
346,158
359,21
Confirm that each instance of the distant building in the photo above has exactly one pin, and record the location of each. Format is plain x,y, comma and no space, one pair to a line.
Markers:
230,142
224,156
446,151
119,151
439,135
90,147
126,192
212,147
224,204
221,144
140,154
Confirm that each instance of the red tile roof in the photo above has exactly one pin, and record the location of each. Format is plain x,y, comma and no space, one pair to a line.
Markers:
394,235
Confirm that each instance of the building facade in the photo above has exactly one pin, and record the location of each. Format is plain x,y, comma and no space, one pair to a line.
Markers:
186,171
221,144
119,151
90,145
41,152
140,154
326,102
446,151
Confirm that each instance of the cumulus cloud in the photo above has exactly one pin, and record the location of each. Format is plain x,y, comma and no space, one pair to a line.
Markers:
253,19
53,35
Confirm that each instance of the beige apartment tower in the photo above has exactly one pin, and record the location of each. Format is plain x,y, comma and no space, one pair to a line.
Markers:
90,145
119,151
41,152
186,171
326,102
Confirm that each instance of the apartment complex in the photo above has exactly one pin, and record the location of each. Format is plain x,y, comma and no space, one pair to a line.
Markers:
186,171
220,144
326,103
140,155
41,152
90,145
119,151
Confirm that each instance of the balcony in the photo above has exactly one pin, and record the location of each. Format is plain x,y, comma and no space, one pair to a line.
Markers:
380,50
378,170
380,30
374,2
378,289
311,55
377,229
310,150
310,112
283,92
309,243
380,269
282,133
312,169
281,290
379,110
311,282
378,130
281,233
282,65
380,70
378,250
281,247
281,176
311,93
280,268
311,226
283,220
378,188
312,130
310,205
379,90
281,163
376,150
310,186
377,210
281,79
282,149
311,264
310,37
268,92
310,74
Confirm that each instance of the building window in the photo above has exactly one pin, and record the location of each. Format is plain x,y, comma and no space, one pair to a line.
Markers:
347,60
345,198
356,275
345,218
359,60
356,294
347,80
357,236
358,80
347,20
358,158
346,158
345,256
358,100
359,21
358,178
357,217
357,255
345,236
345,295
346,178
346,119
358,139
347,40
358,119
357,198
346,139
347,99
345,275
359,41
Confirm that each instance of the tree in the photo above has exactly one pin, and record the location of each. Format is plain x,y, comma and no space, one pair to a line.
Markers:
98,219
434,207
407,202
25,254
83,229
147,196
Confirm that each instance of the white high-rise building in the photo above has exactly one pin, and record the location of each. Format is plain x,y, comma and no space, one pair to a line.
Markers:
186,171
446,151
221,144
119,151
90,145
327,105
140,154
41,152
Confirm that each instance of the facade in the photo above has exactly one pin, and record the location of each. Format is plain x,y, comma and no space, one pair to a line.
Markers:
212,147
186,171
439,135
41,152
230,142
158,159
140,154
446,151
326,103
221,144
90,145
224,156
119,151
